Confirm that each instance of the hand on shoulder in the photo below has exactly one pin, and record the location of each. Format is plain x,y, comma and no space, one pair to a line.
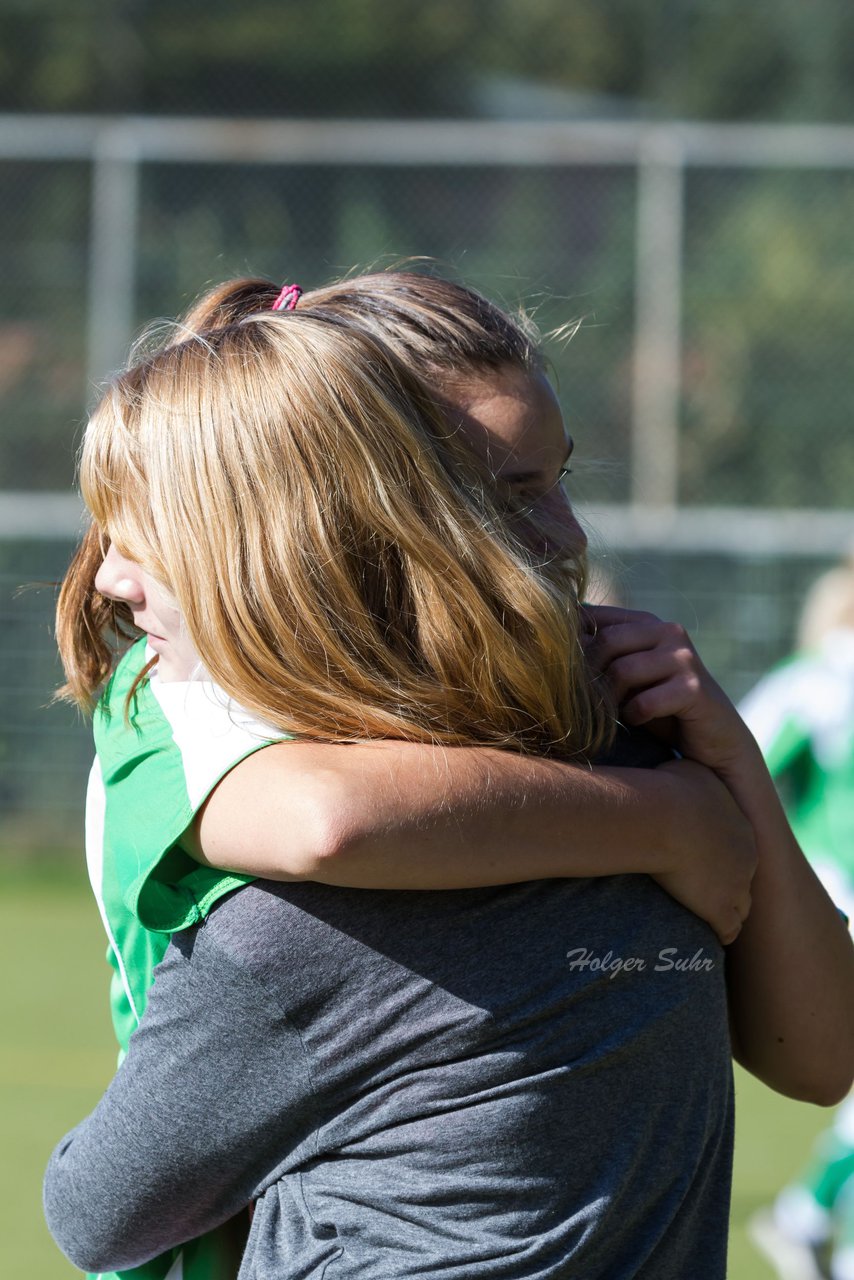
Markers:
658,679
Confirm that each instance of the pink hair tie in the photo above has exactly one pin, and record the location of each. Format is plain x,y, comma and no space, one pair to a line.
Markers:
288,298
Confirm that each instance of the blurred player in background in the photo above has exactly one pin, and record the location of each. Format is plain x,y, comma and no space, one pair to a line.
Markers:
802,714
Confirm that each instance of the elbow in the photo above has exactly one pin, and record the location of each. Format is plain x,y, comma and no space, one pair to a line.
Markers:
327,857
331,833
819,1094
266,821
825,1086
95,1257
820,1072
97,1248
833,1099
832,1078
94,1231
831,1091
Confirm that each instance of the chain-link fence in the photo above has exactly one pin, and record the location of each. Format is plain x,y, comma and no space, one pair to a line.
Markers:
708,390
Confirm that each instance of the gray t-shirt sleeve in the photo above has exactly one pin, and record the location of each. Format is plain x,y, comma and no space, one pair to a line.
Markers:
213,1092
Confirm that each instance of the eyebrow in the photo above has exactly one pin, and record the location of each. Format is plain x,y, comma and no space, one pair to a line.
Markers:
536,475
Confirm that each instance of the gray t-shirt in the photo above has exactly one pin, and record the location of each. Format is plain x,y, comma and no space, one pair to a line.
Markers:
460,1084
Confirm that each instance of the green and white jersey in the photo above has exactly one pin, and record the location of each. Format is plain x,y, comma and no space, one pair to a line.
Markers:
802,715
156,765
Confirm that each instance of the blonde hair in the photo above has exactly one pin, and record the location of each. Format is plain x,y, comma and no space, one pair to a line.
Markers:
443,331
343,561
829,606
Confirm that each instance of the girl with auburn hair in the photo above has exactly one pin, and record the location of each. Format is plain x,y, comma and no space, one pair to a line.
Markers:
287,504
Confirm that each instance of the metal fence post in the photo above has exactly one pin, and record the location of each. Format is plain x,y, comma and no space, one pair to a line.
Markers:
113,232
656,388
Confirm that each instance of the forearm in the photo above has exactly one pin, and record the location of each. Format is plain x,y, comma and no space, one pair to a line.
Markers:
398,815
462,818
791,971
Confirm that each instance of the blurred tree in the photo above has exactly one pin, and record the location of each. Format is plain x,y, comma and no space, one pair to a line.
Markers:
773,59
756,246
769,325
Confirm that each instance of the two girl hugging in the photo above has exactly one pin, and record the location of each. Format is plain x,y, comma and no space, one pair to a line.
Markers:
332,546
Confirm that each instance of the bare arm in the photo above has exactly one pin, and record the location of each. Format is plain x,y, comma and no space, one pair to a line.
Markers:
398,815
791,971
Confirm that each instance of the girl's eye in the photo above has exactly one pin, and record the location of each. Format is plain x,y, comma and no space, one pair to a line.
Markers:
526,495
534,495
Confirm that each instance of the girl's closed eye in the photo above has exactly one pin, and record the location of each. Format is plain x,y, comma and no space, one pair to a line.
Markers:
531,493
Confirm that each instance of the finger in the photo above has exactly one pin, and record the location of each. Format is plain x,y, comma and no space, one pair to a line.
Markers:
618,641
737,916
637,671
597,617
607,615
622,638
603,617
670,698
728,935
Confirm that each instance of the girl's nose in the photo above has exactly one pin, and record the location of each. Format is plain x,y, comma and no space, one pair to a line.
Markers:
120,579
561,522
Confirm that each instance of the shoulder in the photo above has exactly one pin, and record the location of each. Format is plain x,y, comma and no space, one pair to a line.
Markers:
161,751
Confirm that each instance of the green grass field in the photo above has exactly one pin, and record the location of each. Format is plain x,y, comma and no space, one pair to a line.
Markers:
58,1056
